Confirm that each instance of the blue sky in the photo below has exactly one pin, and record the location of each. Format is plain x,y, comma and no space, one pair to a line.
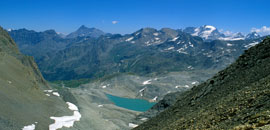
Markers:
130,15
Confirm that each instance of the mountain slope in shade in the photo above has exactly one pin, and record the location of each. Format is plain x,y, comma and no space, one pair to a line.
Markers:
85,31
23,101
235,98
38,43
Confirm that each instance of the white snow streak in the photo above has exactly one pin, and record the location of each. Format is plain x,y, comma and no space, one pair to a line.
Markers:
29,127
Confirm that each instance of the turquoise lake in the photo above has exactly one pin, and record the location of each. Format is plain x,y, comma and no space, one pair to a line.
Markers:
131,103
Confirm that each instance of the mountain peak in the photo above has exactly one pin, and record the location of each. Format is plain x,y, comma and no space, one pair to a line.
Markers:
148,29
207,32
253,35
85,31
209,27
82,26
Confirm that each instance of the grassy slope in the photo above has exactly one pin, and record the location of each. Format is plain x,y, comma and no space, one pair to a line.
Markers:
22,99
237,97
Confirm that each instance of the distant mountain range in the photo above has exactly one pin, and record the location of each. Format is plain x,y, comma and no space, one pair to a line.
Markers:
90,53
209,33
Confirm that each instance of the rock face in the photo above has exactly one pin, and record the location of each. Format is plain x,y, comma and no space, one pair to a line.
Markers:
237,97
23,101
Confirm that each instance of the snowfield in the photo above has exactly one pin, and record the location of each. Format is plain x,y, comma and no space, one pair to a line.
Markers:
66,121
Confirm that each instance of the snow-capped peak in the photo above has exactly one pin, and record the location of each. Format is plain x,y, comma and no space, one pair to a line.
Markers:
253,35
212,28
207,32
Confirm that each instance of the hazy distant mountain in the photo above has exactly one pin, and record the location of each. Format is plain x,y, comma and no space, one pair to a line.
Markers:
210,33
233,37
38,43
85,31
253,35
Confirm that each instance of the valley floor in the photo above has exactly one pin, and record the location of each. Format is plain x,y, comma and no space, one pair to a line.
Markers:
98,112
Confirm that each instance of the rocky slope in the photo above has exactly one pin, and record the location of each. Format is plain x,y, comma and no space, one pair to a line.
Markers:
238,97
23,101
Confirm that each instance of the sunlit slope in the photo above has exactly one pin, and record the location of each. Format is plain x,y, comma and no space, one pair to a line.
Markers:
22,99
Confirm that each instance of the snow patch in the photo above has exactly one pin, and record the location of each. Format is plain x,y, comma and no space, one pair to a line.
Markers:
147,82
181,50
155,98
229,44
190,44
104,86
29,127
137,33
48,91
72,107
156,38
170,48
100,105
207,33
132,125
251,44
155,34
47,95
56,94
9,82
174,39
66,121
230,39
142,89
190,67
143,119
177,86
196,33
186,86
195,82
129,39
